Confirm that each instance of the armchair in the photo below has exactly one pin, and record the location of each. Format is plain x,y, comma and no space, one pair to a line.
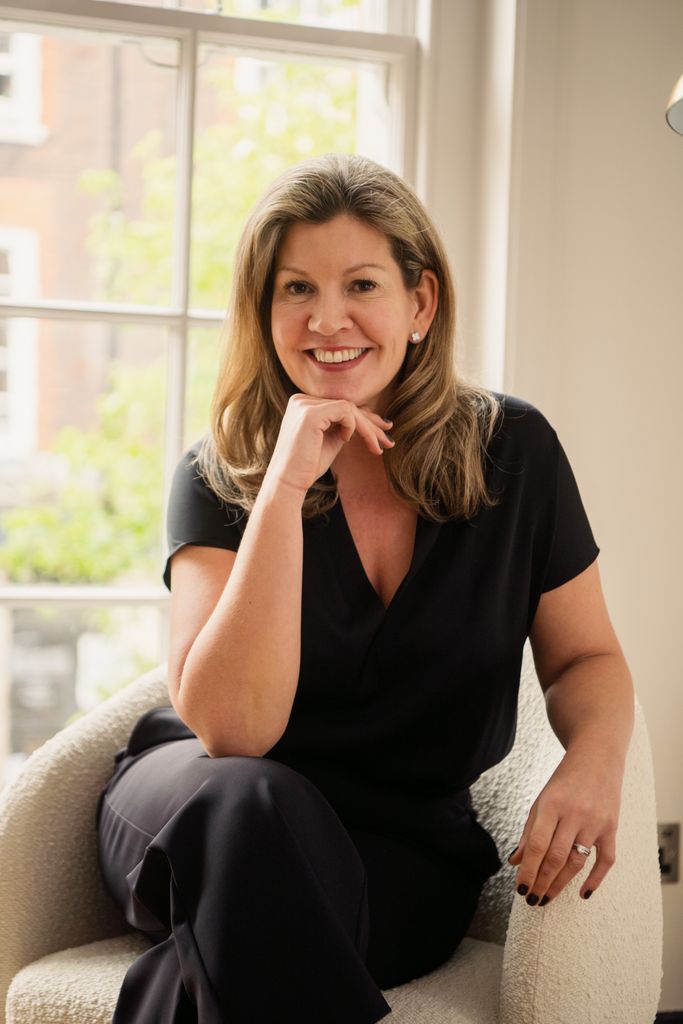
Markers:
65,947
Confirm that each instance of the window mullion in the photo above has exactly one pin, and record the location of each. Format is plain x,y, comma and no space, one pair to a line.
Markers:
178,339
185,106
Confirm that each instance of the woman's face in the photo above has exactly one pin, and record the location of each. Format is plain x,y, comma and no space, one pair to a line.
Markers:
341,314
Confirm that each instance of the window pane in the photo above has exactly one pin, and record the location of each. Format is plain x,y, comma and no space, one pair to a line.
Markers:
366,15
81,483
90,201
254,119
60,662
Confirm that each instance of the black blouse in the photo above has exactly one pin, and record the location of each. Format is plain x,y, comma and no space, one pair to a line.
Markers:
399,710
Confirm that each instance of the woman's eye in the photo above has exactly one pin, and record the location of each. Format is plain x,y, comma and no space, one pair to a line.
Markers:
296,287
364,285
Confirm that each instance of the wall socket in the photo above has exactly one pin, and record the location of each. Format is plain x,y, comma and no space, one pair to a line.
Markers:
668,837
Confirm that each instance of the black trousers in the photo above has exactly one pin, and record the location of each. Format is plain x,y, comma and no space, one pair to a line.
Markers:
261,905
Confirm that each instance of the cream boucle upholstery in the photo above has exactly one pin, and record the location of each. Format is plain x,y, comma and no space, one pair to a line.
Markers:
65,947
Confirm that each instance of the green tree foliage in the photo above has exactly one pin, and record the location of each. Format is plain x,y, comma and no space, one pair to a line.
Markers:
103,523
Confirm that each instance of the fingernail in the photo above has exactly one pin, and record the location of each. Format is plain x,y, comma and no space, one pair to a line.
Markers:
513,852
532,899
390,436
522,889
390,422
546,899
588,893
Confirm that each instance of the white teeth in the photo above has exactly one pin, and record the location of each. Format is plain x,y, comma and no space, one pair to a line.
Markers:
340,355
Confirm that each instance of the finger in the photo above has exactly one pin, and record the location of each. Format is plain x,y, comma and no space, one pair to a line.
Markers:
517,854
603,863
338,417
347,426
535,849
375,438
348,419
515,857
384,425
560,864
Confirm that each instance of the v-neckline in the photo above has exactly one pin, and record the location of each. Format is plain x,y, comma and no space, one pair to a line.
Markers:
357,561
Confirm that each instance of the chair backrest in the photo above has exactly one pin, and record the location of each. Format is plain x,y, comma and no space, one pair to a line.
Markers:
51,891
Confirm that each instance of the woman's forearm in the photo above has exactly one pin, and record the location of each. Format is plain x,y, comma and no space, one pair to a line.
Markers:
590,706
240,676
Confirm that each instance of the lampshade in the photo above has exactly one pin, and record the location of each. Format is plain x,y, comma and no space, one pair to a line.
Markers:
674,108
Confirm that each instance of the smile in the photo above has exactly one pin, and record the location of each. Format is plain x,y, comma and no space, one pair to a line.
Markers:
337,355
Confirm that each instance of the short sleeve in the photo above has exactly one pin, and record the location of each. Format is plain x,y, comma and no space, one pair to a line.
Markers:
572,546
546,537
196,515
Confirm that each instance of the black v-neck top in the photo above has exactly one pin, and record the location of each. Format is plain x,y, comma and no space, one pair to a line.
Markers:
399,710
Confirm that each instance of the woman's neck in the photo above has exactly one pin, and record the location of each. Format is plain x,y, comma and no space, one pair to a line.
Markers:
358,471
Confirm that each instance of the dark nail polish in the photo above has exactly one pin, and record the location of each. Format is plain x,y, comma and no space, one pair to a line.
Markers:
532,899
390,436
513,852
546,899
588,893
522,889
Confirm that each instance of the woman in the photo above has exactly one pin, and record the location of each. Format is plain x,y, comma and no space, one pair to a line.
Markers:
358,553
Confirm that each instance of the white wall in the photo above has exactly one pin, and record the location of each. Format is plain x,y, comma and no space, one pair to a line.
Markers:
595,325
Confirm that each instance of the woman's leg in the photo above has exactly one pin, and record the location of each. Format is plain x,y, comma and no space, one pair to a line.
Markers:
420,907
245,879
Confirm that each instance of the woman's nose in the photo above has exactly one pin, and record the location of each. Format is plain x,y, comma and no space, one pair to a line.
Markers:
328,316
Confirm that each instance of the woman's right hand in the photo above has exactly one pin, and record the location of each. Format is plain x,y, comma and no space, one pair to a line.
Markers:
313,432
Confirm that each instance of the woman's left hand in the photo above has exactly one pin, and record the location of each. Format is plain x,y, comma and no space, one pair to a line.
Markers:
579,804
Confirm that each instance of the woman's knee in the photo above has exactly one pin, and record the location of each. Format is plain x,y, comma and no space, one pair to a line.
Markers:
266,786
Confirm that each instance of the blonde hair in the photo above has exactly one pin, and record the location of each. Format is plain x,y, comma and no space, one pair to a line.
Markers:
441,424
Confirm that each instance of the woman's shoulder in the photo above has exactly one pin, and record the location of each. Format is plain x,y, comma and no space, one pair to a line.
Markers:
523,448
197,481
190,478
196,513
519,422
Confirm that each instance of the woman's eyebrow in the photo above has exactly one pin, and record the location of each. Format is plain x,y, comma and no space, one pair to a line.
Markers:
362,266
349,270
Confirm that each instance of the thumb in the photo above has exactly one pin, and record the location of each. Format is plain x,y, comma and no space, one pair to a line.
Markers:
515,857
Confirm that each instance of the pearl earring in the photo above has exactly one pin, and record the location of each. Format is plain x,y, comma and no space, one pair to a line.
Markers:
414,337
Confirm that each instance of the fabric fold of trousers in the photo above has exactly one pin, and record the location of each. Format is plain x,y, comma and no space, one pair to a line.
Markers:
255,895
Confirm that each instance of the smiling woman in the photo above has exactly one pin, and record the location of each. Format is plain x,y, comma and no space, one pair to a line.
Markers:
357,555
385,275
338,331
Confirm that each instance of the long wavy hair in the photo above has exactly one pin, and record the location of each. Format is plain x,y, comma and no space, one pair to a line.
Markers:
441,424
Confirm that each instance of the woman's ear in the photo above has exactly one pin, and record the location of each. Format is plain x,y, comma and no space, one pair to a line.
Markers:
426,301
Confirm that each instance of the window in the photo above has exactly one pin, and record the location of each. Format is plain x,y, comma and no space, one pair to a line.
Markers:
117,229
20,97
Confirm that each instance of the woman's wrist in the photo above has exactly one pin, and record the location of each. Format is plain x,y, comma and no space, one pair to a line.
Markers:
598,748
275,490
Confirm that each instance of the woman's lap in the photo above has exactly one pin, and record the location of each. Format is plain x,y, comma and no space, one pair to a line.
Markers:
418,905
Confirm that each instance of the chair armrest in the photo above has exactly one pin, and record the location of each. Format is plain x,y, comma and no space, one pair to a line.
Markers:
51,892
503,795
596,961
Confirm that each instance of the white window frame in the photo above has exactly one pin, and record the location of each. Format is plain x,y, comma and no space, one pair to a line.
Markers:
19,440
397,51
21,114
